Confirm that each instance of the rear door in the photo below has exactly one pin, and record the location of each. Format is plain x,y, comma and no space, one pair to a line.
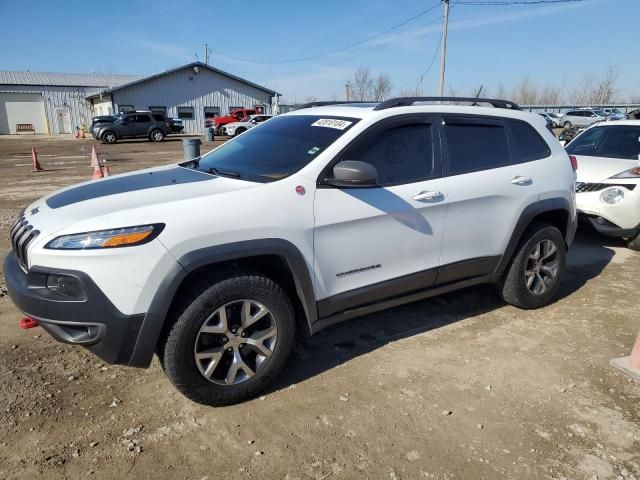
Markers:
392,232
142,124
488,187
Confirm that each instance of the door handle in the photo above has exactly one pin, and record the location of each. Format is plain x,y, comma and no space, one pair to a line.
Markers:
428,196
521,181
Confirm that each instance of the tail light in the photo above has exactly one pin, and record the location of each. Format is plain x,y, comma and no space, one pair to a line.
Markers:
574,162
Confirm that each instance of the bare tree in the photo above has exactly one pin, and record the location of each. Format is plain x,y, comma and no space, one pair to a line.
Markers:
381,87
501,92
361,85
592,90
525,93
452,91
476,92
310,99
365,86
550,95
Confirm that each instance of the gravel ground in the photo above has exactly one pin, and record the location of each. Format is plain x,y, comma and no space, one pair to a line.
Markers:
455,387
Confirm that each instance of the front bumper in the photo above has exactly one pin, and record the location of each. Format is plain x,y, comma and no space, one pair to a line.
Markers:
618,220
91,321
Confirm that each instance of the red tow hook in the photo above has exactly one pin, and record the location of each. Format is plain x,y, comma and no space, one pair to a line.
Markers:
28,322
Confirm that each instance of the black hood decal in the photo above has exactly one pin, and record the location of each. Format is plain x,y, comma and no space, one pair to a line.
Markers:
129,183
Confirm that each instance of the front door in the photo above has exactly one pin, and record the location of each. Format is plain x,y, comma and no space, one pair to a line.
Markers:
391,233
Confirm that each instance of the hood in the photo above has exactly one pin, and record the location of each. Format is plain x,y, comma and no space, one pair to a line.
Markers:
127,192
235,124
597,169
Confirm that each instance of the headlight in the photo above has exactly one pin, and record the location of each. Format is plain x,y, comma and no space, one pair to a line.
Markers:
612,196
631,173
118,237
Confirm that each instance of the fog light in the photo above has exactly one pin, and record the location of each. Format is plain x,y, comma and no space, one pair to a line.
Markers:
612,196
66,285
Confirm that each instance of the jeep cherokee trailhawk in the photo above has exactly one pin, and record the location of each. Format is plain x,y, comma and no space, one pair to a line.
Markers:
314,217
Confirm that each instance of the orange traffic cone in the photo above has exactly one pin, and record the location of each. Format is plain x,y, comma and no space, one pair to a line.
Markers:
105,171
94,157
36,163
631,364
97,172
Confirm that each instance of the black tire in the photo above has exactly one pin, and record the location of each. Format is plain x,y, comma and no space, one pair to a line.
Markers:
567,125
109,137
513,286
177,355
156,135
239,131
634,243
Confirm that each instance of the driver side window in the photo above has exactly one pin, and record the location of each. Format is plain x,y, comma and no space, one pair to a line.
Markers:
401,154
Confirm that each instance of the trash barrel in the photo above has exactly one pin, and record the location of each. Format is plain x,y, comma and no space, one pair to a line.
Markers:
210,134
191,147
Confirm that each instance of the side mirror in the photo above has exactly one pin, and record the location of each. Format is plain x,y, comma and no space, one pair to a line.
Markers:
353,174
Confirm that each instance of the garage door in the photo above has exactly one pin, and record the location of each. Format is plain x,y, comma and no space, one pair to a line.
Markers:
21,108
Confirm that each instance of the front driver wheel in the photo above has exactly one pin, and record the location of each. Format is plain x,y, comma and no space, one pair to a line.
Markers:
230,340
109,137
536,271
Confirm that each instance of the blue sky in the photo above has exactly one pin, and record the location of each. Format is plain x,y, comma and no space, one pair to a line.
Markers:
551,44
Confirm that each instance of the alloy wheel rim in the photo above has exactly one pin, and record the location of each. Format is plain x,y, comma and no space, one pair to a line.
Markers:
235,342
542,267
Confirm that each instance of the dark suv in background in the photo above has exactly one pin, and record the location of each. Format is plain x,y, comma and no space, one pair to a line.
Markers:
153,126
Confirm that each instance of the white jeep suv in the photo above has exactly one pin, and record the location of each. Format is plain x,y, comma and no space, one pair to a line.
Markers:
320,215
608,188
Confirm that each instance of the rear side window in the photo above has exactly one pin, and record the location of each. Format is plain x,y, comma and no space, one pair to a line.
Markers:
529,145
474,144
143,118
401,154
158,117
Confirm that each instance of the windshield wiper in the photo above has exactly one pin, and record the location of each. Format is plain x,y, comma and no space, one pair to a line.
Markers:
223,173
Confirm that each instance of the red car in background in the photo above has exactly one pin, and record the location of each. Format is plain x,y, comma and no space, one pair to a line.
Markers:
234,116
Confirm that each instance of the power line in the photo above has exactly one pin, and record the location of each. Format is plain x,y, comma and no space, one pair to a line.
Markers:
332,52
491,3
378,47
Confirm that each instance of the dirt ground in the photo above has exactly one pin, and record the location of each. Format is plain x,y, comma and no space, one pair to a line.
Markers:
455,387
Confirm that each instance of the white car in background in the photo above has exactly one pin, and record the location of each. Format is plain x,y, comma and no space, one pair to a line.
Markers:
608,184
250,121
581,118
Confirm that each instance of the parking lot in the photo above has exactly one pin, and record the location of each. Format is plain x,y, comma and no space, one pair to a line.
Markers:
458,386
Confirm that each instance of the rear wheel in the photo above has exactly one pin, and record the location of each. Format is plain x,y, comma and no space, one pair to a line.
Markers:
230,340
109,137
536,271
156,136
239,131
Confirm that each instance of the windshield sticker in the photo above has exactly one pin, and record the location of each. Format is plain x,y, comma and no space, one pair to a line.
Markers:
313,151
331,123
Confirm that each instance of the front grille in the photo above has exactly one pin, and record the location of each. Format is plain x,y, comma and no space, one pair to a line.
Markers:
21,235
582,187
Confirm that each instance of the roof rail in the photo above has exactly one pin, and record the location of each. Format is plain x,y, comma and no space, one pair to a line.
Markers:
408,101
331,102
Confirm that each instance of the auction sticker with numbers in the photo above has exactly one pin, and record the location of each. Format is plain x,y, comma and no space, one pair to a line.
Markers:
331,123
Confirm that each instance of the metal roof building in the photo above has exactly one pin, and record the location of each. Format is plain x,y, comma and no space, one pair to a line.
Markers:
57,103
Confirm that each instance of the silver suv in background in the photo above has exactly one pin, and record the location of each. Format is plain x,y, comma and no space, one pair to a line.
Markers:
581,118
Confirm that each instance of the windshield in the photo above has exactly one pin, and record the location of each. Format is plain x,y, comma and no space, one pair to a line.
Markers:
246,119
279,148
622,141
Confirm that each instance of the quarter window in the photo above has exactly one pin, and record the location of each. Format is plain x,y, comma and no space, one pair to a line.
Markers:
185,113
475,145
401,154
528,143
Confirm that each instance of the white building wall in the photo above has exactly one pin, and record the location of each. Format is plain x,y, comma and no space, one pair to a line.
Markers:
54,98
185,88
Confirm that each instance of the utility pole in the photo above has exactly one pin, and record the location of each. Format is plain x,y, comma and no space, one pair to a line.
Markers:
444,46
206,54
346,91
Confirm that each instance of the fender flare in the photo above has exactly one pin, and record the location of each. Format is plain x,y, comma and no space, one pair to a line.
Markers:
527,215
155,317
